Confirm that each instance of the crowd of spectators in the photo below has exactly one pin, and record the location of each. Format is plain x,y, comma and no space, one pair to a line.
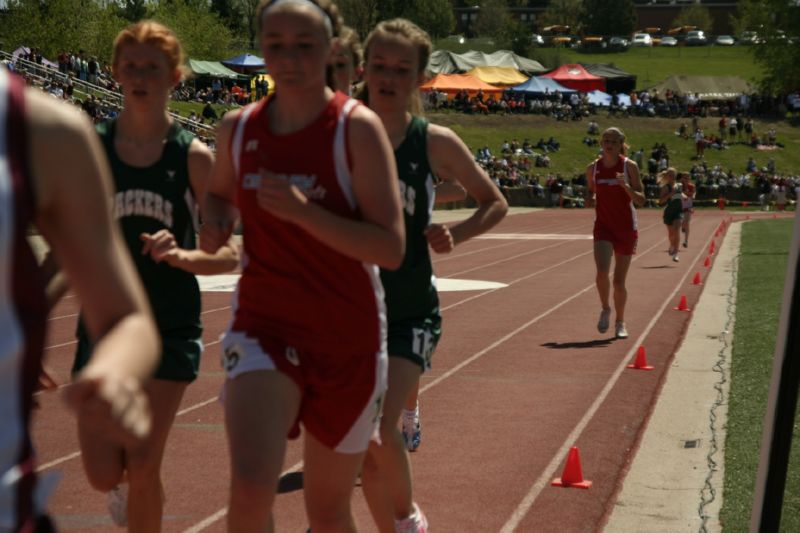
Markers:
517,164
523,165
576,105
91,88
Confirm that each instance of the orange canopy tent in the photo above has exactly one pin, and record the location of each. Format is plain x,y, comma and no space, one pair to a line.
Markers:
453,83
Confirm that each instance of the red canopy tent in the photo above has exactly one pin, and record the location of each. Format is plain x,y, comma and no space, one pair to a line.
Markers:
453,83
576,77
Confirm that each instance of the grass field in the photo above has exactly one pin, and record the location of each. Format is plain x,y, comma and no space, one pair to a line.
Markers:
573,157
651,65
762,269
478,130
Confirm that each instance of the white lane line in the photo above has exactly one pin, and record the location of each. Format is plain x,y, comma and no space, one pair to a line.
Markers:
503,339
535,236
65,458
550,470
506,259
212,519
532,274
60,345
540,272
62,316
441,259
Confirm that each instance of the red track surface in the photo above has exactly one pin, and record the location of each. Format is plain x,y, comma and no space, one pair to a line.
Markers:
520,376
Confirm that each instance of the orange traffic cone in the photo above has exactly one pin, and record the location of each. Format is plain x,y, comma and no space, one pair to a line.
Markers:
696,280
572,476
640,363
682,306
707,262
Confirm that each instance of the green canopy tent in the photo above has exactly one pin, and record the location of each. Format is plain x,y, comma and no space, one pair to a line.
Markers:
215,69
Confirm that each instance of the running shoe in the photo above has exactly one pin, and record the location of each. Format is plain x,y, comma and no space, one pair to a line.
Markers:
602,322
620,331
416,523
685,244
676,258
412,429
118,504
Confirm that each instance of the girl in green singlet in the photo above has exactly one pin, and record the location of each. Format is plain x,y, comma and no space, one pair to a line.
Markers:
160,173
396,54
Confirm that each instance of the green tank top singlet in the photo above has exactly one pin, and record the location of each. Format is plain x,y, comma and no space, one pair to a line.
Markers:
149,199
411,289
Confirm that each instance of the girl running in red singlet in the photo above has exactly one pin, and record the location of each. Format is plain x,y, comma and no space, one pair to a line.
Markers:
311,175
397,53
616,190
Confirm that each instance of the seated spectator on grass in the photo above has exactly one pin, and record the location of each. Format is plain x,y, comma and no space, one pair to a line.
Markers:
593,128
209,113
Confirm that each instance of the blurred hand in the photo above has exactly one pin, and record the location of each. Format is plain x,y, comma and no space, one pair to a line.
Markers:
280,198
159,245
440,238
110,404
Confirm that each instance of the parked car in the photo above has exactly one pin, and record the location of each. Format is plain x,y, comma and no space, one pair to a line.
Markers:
593,43
619,43
749,37
696,38
724,40
641,39
668,40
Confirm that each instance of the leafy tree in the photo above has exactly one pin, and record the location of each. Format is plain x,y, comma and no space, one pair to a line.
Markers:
247,8
132,10
565,13
361,15
493,19
608,17
389,9
434,16
230,13
202,33
695,15
777,23
58,25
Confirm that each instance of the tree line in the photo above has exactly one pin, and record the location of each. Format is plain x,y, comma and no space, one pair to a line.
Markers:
217,29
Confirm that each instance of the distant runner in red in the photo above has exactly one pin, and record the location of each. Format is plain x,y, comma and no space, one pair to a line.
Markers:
615,190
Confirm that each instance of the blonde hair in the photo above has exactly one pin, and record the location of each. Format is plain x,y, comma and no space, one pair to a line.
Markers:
662,176
152,32
621,135
351,43
418,37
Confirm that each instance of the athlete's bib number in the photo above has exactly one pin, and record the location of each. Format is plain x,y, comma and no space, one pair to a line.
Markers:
423,344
